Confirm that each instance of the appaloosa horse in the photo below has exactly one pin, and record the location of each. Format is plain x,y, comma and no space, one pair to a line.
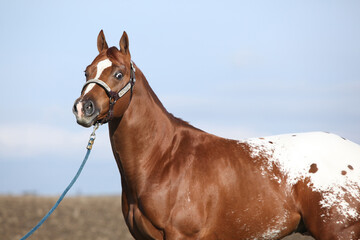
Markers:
179,182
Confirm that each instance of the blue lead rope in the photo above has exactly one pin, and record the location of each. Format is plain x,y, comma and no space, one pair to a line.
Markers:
89,147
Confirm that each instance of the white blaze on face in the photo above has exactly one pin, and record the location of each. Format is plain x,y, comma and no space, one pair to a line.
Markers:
100,67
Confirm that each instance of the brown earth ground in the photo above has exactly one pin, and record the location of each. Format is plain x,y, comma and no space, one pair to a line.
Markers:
90,218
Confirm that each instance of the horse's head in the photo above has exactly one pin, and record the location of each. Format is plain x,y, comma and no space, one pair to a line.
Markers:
109,80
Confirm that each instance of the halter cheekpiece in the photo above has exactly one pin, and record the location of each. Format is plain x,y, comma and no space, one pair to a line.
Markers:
114,96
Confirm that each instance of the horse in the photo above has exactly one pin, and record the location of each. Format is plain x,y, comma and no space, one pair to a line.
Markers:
179,182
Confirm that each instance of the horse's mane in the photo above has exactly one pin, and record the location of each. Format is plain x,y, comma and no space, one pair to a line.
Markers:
112,53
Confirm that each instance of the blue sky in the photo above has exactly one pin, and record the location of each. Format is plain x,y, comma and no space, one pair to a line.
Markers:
238,69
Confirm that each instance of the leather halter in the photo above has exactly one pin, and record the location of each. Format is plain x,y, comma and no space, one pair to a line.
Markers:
114,96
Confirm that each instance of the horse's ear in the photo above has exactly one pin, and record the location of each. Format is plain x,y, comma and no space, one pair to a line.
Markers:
101,42
124,43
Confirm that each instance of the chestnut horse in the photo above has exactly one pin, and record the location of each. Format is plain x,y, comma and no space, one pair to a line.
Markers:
179,182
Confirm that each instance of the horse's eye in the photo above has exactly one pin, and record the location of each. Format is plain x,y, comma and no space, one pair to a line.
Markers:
118,75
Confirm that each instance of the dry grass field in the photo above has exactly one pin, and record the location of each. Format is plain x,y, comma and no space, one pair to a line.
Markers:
90,218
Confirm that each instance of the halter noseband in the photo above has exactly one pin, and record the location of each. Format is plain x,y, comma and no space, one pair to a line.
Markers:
114,96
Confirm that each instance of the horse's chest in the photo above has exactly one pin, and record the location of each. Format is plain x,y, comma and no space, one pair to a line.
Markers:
141,226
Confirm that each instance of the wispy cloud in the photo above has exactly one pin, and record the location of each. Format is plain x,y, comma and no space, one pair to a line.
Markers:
31,140
231,131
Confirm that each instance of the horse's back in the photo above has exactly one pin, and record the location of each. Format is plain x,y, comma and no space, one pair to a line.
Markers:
322,171
325,158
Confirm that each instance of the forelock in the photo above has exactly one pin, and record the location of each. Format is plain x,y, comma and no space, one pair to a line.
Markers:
112,53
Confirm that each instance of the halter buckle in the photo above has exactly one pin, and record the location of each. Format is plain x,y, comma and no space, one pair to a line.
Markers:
112,100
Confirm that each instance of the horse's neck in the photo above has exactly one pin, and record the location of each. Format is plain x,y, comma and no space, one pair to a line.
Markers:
144,131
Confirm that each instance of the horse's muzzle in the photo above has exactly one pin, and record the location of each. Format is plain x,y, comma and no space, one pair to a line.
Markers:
85,112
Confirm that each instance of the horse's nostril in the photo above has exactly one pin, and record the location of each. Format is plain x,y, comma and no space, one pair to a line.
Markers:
74,109
89,108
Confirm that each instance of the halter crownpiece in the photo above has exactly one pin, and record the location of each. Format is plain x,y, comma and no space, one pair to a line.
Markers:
114,96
